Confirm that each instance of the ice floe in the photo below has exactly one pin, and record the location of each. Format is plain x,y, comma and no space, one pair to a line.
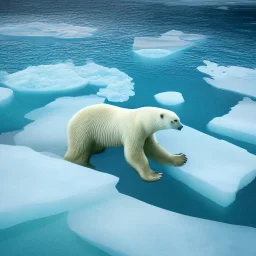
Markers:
48,132
40,29
123,225
216,168
34,185
166,44
239,123
232,78
65,77
169,98
6,96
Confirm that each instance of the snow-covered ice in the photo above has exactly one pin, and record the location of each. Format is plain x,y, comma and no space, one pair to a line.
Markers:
168,43
48,132
169,98
232,78
65,77
123,225
6,96
40,29
215,168
34,185
239,123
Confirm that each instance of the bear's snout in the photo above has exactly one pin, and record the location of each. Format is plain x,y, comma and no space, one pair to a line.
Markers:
179,128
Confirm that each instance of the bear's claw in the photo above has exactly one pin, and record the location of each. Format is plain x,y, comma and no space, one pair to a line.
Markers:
179,159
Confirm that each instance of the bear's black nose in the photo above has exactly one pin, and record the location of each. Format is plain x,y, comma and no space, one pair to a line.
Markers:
180,127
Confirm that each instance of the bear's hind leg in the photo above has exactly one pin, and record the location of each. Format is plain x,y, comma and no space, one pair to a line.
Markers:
81,156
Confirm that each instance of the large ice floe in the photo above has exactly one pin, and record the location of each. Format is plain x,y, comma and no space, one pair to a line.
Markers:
48,131
166,44
40,29
232,78
239,123
64,77
34,185
123,225
216,168
6,96
169,98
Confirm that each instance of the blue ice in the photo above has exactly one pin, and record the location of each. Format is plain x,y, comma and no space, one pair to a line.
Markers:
34,185
239,123
123,225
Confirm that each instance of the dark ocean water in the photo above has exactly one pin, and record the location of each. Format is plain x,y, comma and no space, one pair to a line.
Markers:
231,41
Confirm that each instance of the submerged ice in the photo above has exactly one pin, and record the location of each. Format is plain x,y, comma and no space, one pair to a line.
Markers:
166,44
40,29
239,123
237,79
66,77
216,169
34,185
169,98
123,225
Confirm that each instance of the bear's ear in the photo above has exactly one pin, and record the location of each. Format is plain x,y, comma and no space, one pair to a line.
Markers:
162,115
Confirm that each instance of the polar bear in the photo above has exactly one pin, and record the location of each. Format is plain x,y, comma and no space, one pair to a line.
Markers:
94,128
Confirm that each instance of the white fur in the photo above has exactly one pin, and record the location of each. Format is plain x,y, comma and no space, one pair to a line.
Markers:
96,127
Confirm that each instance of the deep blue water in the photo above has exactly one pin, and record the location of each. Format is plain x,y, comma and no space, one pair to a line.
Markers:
231,41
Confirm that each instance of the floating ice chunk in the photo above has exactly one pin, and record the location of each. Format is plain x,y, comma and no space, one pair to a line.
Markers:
48,132
164,45
169,98
153,53
35,186
237,79
40,29
67,76
6,96
239,123
123,225
216,169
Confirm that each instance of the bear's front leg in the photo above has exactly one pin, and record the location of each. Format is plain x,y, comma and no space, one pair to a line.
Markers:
135,156
159,154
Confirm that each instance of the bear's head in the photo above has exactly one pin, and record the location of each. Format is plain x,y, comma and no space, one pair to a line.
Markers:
155,119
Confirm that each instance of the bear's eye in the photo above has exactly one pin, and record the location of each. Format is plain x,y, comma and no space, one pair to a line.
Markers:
162,115
175,120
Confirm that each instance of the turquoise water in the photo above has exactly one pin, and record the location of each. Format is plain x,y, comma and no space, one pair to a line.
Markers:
231,41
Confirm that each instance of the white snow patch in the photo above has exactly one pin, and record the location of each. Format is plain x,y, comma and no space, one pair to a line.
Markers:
232,78
215,168
48,132
6,96
66,77
34,186
164,45
123,225
239,123
169,98
40,29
